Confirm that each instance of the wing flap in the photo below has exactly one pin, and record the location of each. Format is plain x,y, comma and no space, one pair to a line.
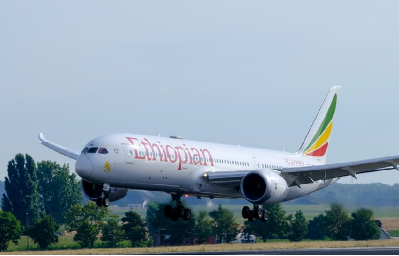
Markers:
58,148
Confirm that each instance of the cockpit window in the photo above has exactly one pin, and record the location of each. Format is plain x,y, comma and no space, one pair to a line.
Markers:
103,151
84,150
92,150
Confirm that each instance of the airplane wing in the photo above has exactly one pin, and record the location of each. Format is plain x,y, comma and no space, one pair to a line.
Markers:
306,175
60,149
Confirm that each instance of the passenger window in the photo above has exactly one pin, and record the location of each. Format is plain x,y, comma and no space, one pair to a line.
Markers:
103,151
92,150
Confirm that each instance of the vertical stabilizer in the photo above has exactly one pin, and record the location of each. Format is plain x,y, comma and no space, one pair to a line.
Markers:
317,140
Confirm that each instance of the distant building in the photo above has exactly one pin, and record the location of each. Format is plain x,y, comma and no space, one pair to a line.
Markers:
138,206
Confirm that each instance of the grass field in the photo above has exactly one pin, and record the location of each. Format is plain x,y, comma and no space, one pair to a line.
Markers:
394,233
221,247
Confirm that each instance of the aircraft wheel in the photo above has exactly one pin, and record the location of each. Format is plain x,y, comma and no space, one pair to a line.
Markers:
251,215
259,213
167,211
265,216
106,201
174,215
245,212
187,214
99,202
180,211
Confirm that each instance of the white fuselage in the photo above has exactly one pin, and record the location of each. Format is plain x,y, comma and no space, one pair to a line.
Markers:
176,165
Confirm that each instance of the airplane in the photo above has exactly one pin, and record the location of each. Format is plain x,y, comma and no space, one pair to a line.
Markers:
109,165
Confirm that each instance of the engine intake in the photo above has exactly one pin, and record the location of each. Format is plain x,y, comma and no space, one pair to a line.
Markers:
264,186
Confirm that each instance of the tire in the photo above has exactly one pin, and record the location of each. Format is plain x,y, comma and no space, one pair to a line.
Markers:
187,214
106,202
99,202
251,215
259,213
265,216
245,212
167,211
180,211
174,215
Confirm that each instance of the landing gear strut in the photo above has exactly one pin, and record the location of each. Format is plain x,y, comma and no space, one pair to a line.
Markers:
255,213
178,212
104,199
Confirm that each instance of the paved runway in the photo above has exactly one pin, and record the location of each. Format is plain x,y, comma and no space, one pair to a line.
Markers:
324,251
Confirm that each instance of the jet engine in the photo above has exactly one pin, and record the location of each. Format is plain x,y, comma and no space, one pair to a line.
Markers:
263,186
97,192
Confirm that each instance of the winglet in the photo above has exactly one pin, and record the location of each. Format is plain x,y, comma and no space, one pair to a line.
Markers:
41,137
60,149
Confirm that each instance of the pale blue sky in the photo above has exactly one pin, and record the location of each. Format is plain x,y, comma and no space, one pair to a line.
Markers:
252,73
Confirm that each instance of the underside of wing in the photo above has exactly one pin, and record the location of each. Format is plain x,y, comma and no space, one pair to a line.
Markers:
60,149
229,179
306,175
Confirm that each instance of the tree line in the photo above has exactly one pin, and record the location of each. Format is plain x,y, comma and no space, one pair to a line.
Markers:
335,224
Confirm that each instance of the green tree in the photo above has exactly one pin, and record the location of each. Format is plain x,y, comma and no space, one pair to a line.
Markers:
86,234
112,233
363,226
298,227
87,220
335,224
315,228
21,198
224,225
203,227
275,228
10,229
58,189
43,232
135,229
78,214
171,232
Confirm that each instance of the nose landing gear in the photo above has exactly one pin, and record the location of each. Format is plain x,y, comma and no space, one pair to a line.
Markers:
255,213
178,212
104,199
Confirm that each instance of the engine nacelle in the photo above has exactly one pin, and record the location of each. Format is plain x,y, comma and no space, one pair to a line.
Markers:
94,191
264,186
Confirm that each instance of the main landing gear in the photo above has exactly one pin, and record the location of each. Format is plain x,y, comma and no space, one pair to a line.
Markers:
178,212
255,213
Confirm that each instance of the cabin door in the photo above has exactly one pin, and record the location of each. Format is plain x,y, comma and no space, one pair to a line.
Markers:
129,151
255,162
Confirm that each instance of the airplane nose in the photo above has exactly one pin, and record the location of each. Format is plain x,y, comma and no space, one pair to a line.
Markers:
84,167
